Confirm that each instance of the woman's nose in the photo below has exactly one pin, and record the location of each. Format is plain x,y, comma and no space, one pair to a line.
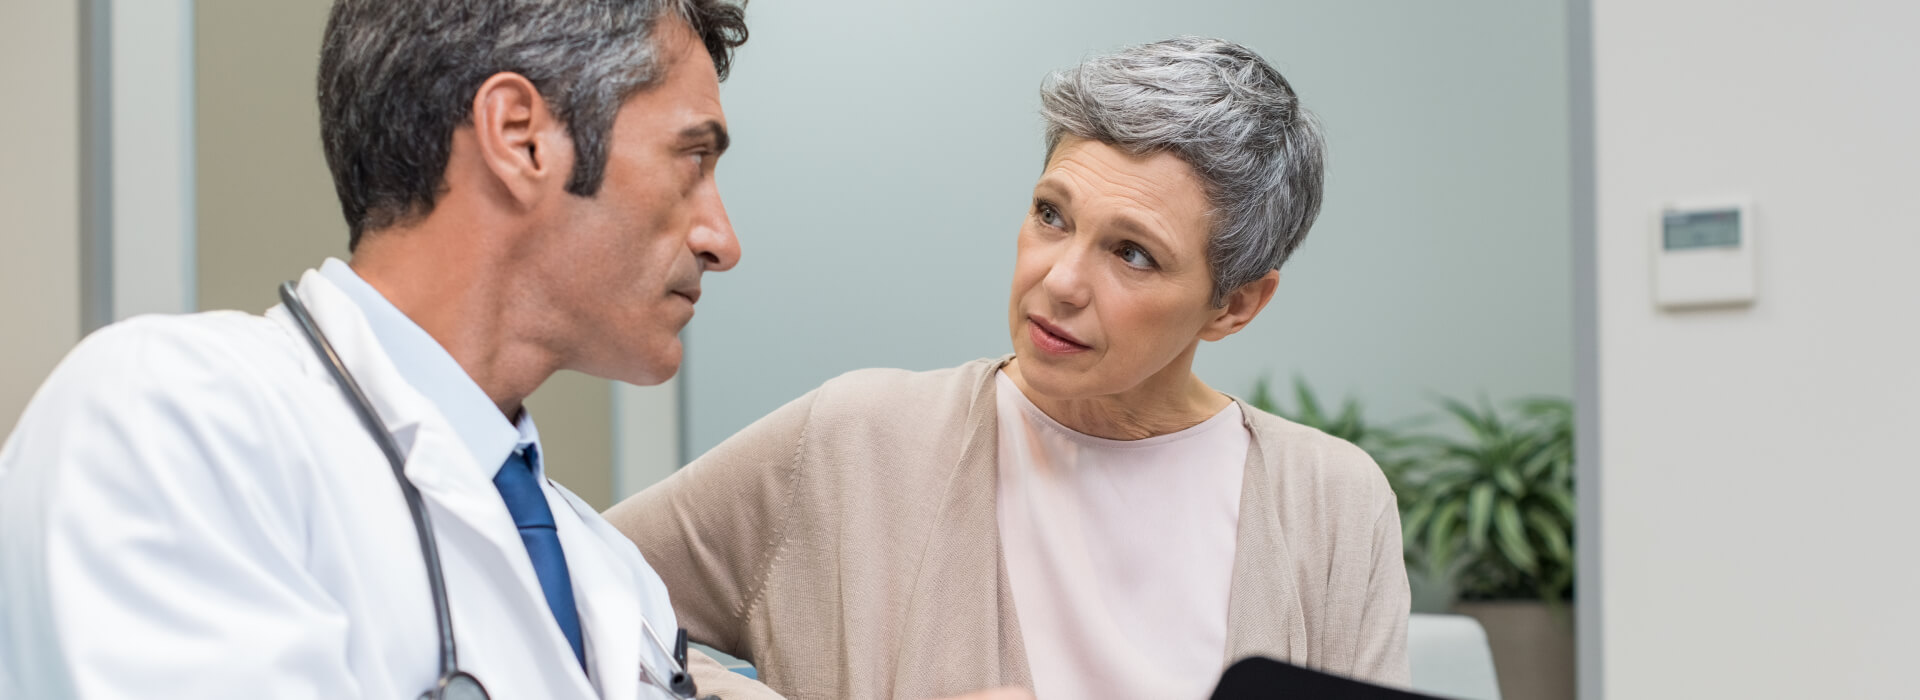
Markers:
1066,280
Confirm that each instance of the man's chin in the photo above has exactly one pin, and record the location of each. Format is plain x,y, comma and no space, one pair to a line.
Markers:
655,373
646,367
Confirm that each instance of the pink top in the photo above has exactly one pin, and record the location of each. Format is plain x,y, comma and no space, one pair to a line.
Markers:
1120,552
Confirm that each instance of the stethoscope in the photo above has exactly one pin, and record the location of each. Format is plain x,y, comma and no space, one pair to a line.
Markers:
454,684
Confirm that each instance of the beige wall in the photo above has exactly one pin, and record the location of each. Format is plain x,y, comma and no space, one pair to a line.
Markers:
1756,467
40,193
266,204
267,209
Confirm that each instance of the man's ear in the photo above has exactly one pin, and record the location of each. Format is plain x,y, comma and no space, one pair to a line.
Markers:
519,140
1242,305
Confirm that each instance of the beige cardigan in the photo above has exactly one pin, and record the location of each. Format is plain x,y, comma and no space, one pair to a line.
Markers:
847,544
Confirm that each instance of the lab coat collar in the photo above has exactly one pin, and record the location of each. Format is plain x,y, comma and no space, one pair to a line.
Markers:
448,476
432,371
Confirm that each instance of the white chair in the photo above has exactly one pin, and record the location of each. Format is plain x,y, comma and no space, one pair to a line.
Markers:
1450,657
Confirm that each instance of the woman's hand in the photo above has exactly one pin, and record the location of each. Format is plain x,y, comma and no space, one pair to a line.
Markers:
1012,692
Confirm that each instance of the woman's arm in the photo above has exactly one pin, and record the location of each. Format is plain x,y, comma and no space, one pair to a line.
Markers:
1382,656
714,680
712,528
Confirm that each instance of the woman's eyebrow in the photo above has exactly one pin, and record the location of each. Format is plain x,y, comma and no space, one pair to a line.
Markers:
1136,228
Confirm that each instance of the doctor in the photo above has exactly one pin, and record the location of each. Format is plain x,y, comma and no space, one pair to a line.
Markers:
191,506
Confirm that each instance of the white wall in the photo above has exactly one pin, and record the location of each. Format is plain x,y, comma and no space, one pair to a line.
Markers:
1757,466
152,167
40,195
884,153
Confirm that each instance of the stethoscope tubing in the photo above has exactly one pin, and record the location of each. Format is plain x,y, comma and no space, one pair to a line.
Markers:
452,680
422,526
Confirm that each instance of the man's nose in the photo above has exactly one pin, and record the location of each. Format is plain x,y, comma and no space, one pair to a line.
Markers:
712,238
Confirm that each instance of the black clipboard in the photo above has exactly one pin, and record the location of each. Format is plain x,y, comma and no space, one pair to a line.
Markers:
1260,677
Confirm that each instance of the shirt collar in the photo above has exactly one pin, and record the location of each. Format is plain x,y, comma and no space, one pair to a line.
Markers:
430,370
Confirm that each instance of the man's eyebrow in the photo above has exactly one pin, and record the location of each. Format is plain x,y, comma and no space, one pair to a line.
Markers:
710,130
1048,186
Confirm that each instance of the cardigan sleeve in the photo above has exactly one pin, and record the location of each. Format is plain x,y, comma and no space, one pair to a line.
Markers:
1382,656
714,680
712,528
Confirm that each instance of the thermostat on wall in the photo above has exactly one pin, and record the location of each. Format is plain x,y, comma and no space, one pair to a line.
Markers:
1703,254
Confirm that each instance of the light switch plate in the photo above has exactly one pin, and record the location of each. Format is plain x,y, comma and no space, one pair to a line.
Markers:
1703,253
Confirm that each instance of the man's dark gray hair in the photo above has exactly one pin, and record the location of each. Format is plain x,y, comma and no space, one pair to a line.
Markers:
397,77
1221,108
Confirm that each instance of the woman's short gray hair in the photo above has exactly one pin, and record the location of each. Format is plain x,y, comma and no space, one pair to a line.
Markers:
1227,113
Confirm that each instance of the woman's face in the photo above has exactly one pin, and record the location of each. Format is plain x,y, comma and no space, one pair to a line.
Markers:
1111,283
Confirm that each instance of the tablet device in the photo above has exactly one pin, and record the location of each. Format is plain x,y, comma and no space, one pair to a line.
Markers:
1261,677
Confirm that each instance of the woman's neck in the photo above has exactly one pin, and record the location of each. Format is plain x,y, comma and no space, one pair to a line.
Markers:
1170,401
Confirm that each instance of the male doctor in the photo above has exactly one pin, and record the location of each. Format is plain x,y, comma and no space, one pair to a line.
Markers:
191,507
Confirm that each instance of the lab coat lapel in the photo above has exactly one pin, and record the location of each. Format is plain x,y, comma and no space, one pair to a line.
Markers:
470,521
609,611
437,462
1263,609
963,577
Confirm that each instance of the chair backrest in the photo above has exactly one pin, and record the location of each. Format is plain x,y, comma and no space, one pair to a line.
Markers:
1450,657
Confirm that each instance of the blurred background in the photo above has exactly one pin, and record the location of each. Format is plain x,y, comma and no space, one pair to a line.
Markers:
1637,494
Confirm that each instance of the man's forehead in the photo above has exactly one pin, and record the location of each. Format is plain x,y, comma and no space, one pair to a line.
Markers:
689,74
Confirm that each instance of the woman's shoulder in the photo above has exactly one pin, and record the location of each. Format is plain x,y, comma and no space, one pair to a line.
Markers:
902,395
1304,461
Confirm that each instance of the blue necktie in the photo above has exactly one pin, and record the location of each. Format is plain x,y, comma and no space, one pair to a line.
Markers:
521,490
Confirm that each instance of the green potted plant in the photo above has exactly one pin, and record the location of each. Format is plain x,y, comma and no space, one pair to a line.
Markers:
1491,510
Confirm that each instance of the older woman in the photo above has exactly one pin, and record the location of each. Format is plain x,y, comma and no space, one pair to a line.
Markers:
1085,517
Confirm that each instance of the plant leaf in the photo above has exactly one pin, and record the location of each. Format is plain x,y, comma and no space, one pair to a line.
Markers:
1416,519
1509,480
1309,407
1348,424
1440,535
1538,462
1559,547
1263,397
1479,515
1512,537
1470,418
1562,500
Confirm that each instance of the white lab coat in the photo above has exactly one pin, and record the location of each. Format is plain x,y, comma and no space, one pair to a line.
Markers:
189,508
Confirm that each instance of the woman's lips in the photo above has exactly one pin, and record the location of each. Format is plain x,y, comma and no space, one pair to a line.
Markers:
1050,340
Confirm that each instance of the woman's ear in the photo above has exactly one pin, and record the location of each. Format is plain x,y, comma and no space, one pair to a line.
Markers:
1242,305
520,142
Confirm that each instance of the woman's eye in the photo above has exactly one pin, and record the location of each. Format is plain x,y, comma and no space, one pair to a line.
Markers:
1048,215
1136,256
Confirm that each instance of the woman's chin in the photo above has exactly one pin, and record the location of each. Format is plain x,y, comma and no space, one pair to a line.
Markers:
1047,377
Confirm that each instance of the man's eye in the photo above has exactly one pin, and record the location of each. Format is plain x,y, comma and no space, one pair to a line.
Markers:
1048,215
1135,256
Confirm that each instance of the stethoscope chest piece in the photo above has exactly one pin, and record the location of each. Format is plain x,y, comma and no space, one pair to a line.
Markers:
458,686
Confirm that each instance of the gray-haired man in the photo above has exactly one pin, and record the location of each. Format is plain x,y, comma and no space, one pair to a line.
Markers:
227,505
